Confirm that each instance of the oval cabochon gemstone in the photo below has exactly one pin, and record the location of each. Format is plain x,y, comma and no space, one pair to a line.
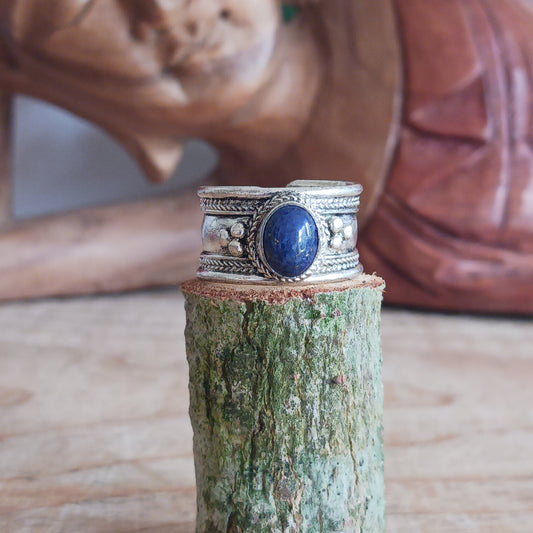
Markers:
290,240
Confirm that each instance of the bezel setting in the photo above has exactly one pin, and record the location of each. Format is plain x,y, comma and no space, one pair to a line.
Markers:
255,236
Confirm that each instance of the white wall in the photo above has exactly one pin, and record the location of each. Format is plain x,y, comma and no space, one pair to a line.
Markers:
61,162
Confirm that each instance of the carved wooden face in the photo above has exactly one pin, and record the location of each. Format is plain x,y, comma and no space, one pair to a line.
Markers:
172,54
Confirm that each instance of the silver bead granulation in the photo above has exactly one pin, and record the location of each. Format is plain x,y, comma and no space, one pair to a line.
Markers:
348,231
336,241
237,230
223,238
235,248
336,224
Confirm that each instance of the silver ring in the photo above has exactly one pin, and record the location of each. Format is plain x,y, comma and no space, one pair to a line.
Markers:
305,232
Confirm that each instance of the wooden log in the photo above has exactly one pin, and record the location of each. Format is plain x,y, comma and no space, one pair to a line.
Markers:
286,406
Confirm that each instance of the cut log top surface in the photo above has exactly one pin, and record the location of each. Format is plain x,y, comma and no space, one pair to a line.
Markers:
276,294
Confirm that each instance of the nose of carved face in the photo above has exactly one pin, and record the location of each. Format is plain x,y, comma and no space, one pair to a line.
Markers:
170,27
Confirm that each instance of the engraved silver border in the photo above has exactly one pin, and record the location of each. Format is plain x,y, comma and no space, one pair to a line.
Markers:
328,196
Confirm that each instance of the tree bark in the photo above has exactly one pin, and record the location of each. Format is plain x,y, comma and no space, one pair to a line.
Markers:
286,406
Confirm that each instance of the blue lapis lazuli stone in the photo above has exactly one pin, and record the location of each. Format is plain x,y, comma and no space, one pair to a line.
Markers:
290,241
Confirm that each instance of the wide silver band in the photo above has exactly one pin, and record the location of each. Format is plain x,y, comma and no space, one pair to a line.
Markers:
234,223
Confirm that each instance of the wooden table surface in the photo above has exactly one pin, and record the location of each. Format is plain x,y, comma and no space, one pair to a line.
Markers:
95,437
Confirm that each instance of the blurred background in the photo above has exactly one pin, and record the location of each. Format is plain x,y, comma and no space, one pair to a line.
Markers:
427,102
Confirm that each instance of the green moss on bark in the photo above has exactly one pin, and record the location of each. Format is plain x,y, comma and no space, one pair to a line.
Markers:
286,407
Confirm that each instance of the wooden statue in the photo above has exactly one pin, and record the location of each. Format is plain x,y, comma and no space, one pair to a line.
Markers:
426,102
